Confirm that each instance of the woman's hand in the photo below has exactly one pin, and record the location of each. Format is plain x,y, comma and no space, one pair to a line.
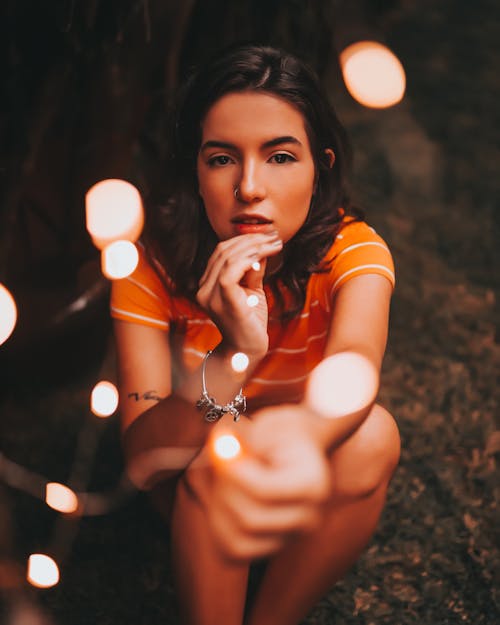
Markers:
227,283
276,487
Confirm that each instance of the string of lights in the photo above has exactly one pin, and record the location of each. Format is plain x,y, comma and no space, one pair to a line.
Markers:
114,220
114,217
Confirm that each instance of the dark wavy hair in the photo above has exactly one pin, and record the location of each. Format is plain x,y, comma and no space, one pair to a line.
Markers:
178,235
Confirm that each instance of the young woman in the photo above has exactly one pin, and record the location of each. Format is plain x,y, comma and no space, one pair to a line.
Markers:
256,250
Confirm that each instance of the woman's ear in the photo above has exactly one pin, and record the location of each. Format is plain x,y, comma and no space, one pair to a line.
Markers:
330,157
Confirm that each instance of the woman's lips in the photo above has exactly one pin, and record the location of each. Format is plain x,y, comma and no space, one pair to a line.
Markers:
242,227
247,224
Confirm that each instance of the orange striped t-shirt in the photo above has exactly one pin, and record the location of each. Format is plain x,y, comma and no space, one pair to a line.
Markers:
295,347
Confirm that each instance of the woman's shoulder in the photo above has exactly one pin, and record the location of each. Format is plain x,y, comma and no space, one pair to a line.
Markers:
148,276
357,249
354,231
147,295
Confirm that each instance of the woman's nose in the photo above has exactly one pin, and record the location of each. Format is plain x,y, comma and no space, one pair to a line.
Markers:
251,187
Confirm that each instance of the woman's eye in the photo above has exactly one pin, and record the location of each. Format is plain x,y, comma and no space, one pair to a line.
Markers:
219,161
282,158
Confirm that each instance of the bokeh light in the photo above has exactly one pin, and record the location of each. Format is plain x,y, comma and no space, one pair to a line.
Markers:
239,362
113,211
341,384
8,314
43,571
104,399
24,611
119,259
227,447
373,74
252,301
60,497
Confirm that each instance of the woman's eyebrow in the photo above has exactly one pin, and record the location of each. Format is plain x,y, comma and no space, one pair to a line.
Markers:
217,144
268,144
279,140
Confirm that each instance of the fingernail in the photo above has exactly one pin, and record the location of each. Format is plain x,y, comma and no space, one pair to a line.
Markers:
277,243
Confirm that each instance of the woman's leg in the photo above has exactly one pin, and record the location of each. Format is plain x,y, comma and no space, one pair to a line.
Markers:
210,591
309,565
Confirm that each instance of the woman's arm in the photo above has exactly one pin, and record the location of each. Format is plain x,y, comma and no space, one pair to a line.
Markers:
163,430
144,368
281,479
359,325
151,418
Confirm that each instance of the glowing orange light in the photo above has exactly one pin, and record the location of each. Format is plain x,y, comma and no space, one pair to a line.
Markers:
113,211
60,497
239,362
43,572
252,301
119,259
373,74
341,384
104,399
8,314
227,447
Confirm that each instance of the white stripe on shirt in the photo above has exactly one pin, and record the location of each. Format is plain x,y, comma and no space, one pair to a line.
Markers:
158,322
144,288
359,268
192,350
302,316
265,382
298,350
305,315
209,321
356,245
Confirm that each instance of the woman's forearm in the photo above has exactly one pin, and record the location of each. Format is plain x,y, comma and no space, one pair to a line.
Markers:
163,440
340,393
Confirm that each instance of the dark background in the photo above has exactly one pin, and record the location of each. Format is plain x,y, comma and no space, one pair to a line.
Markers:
86,89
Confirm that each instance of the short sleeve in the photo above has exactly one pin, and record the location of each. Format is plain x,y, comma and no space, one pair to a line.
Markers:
141,297
358,250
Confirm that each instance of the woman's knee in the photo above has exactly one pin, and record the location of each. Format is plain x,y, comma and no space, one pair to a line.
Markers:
368,459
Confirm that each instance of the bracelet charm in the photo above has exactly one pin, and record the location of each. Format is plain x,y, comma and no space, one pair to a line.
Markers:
215,411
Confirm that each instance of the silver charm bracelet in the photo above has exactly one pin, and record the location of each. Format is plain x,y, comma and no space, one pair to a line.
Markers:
213,410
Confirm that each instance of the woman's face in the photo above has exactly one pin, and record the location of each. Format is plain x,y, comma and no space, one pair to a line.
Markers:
255,167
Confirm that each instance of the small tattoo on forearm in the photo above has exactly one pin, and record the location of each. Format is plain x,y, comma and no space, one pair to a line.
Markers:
151,395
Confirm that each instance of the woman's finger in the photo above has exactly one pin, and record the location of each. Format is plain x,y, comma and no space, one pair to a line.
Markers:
244,244
231,269
254,277
255,518
307,479
223,249
246,529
